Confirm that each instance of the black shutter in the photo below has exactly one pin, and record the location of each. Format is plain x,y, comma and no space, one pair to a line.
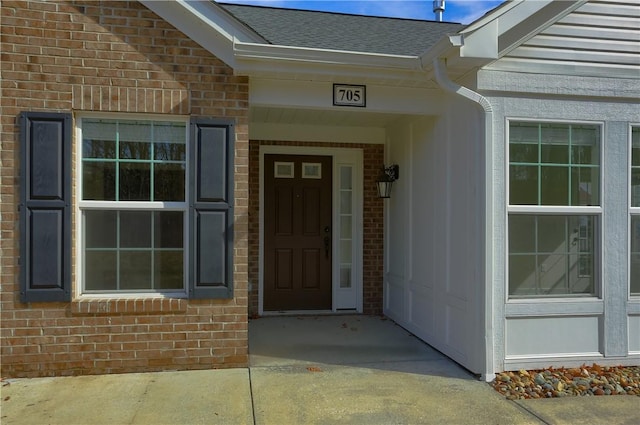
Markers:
211,209
45,207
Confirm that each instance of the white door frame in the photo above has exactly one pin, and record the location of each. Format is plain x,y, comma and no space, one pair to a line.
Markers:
341,299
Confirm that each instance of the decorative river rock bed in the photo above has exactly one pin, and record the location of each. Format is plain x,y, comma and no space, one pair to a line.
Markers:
563,382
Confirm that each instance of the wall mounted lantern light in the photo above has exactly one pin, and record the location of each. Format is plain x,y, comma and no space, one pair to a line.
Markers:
385,180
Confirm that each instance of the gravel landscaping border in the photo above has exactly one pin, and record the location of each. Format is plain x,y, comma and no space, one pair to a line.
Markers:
591,380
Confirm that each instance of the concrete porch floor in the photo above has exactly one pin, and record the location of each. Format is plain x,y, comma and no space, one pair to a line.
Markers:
363,370
341,340
304,370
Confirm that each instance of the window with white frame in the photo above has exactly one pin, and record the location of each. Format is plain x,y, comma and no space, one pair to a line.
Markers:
554,209
133,205
634,270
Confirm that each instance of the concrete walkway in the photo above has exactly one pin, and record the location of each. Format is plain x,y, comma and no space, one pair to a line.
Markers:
305,370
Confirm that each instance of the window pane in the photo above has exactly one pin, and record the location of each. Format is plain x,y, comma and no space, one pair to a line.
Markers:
99,181
135,229
634,272
100,228
345,227
585,155
169,151
100,270
523,132
135,150
168,229
168,182
554,186
523,152
135,270
585,143
581,274
345,178
523,185
635,187
554,134
168,270
554,154
171,132
134,131
345,202
553,274
585,186
345,276
552,234
99,138
135,181
563,259
635,146
522,234
523,279
345,251
97,148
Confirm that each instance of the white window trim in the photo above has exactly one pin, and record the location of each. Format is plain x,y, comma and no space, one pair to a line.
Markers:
565,210
81,206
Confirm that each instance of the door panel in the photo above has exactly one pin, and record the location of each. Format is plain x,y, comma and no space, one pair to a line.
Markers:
284,210
297,232
311,268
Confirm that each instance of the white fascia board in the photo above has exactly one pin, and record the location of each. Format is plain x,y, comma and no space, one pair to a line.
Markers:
206,23
251,58
443,48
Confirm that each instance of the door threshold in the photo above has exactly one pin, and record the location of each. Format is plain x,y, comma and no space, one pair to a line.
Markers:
308,312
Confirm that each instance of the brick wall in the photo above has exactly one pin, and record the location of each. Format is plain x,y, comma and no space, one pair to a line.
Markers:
113,57
373,221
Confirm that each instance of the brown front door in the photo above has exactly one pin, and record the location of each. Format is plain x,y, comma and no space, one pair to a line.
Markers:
297,232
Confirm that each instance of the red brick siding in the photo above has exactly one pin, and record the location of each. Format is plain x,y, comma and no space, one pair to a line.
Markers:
113,56
373,221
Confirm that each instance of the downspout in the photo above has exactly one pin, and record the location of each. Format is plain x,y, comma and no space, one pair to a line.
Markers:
439,67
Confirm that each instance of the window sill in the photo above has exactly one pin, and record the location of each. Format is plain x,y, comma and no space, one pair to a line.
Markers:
96,306
555,307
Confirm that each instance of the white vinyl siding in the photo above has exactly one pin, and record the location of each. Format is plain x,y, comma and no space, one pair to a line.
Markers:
598,38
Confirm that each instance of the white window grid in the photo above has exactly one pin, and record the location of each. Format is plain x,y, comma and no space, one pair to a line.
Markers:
634,210
85,205
577,210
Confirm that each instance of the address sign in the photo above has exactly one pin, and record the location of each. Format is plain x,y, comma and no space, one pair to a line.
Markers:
349,95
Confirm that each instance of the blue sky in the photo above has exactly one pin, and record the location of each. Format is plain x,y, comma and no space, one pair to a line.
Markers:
463,11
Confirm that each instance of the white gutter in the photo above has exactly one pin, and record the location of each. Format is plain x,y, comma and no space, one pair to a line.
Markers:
256,58
259,51
439,67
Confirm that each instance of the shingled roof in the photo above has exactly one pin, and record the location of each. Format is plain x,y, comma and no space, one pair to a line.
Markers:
338,31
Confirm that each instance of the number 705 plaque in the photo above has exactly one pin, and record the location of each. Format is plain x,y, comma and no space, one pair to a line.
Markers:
349,95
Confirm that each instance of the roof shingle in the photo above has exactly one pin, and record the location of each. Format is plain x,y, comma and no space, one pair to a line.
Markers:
337,31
